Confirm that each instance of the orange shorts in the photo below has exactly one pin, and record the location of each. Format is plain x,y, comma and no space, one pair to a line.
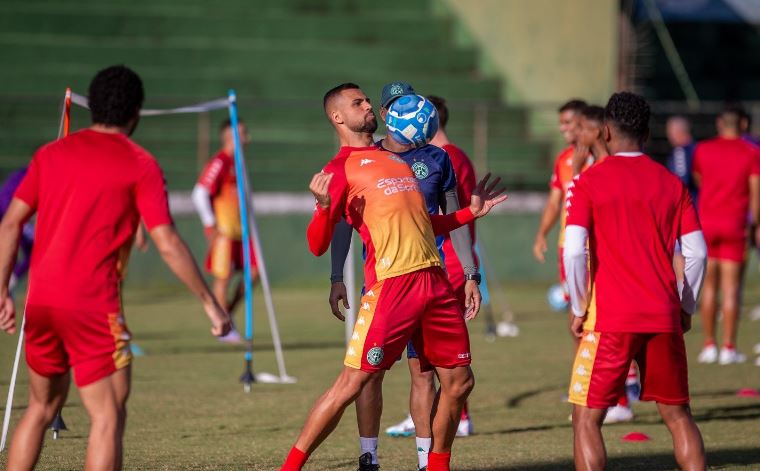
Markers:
225,257
93,344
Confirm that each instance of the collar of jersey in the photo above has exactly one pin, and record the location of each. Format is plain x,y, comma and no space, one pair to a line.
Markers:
629,154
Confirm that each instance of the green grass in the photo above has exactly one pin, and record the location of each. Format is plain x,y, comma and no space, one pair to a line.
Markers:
187,410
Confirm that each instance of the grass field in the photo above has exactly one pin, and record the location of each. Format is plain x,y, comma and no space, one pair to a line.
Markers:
187,410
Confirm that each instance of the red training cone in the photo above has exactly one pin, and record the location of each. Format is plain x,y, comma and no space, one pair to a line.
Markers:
636,437
748,392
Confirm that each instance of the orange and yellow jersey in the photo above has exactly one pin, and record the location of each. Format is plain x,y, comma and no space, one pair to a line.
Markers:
562,177
218,177
377,193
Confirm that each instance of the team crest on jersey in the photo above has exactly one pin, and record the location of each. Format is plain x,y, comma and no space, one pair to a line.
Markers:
375,356
420,170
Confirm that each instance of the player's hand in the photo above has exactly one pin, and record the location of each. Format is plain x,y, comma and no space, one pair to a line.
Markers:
539,248
486,195
338,293
319,186
576,325
580,156
211,234
7,313
472,299
141,242
685,321
221,323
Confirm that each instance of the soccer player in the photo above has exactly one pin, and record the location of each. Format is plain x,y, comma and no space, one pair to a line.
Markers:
408,295
216,201
727,169
89,191
591,136
435,173
562,175
680,161
630,211
27,234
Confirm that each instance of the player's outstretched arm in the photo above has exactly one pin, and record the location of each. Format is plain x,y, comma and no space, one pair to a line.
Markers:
11,228
548,218
485,196
177,256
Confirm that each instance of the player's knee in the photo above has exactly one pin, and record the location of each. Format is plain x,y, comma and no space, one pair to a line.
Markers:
462,385
41,412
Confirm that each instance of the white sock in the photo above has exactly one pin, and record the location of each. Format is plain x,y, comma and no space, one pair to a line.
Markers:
423,448
369,445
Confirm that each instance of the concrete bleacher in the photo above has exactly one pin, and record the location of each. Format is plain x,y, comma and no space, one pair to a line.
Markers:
280,56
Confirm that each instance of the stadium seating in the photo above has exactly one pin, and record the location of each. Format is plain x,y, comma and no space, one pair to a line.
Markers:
280,56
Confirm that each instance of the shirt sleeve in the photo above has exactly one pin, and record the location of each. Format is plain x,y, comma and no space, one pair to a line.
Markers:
152,200
555,181
320,230
448,222
448,177
575,260
28,189
578,209
212,174
689,221
465,180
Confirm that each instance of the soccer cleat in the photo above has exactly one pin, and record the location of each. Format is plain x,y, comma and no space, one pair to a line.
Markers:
365,463
233,338
756,349
507,329
405,428
757,361
709,354
464,429
617,414
730,355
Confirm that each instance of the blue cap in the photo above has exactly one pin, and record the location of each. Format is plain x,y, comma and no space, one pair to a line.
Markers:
393,90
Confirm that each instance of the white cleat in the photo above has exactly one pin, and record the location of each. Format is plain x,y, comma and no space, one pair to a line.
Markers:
507,329
233,338
405,428
617,414
729,356
464,429
709,354
757,361
756,349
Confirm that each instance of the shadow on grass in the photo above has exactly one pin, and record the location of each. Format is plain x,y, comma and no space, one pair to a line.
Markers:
515,401
648,462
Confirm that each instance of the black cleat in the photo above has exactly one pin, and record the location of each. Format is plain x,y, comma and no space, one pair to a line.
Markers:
365,463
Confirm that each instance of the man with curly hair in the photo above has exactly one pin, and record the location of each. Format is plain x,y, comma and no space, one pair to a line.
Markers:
90,190
630,211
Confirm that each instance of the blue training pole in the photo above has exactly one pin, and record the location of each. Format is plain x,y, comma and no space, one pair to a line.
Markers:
247,377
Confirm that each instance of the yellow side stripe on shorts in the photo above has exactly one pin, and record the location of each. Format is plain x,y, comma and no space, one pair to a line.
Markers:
363,321
583,368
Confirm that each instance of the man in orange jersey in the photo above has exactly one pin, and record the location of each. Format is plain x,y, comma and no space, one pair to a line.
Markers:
408,295
562,175
216,200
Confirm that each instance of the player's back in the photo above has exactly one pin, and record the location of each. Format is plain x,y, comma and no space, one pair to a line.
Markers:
634,208
90,190
724,167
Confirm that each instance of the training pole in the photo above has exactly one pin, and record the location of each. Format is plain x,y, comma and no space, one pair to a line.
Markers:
247,378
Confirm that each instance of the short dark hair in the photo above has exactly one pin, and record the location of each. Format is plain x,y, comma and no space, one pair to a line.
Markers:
575,105
115,95
593,113
732,115
336,90
227,123
443,110
629,113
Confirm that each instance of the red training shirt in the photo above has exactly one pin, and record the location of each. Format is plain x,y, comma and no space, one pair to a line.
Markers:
634,209
465,175
724,167
90,190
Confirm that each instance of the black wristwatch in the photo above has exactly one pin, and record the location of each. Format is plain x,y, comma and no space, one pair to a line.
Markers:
474,276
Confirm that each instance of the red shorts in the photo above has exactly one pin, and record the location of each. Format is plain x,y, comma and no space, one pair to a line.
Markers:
418,306
225,257
93,344
602,363
727,247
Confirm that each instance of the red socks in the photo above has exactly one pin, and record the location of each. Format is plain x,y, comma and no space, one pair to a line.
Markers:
465,414
295,460
439,461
